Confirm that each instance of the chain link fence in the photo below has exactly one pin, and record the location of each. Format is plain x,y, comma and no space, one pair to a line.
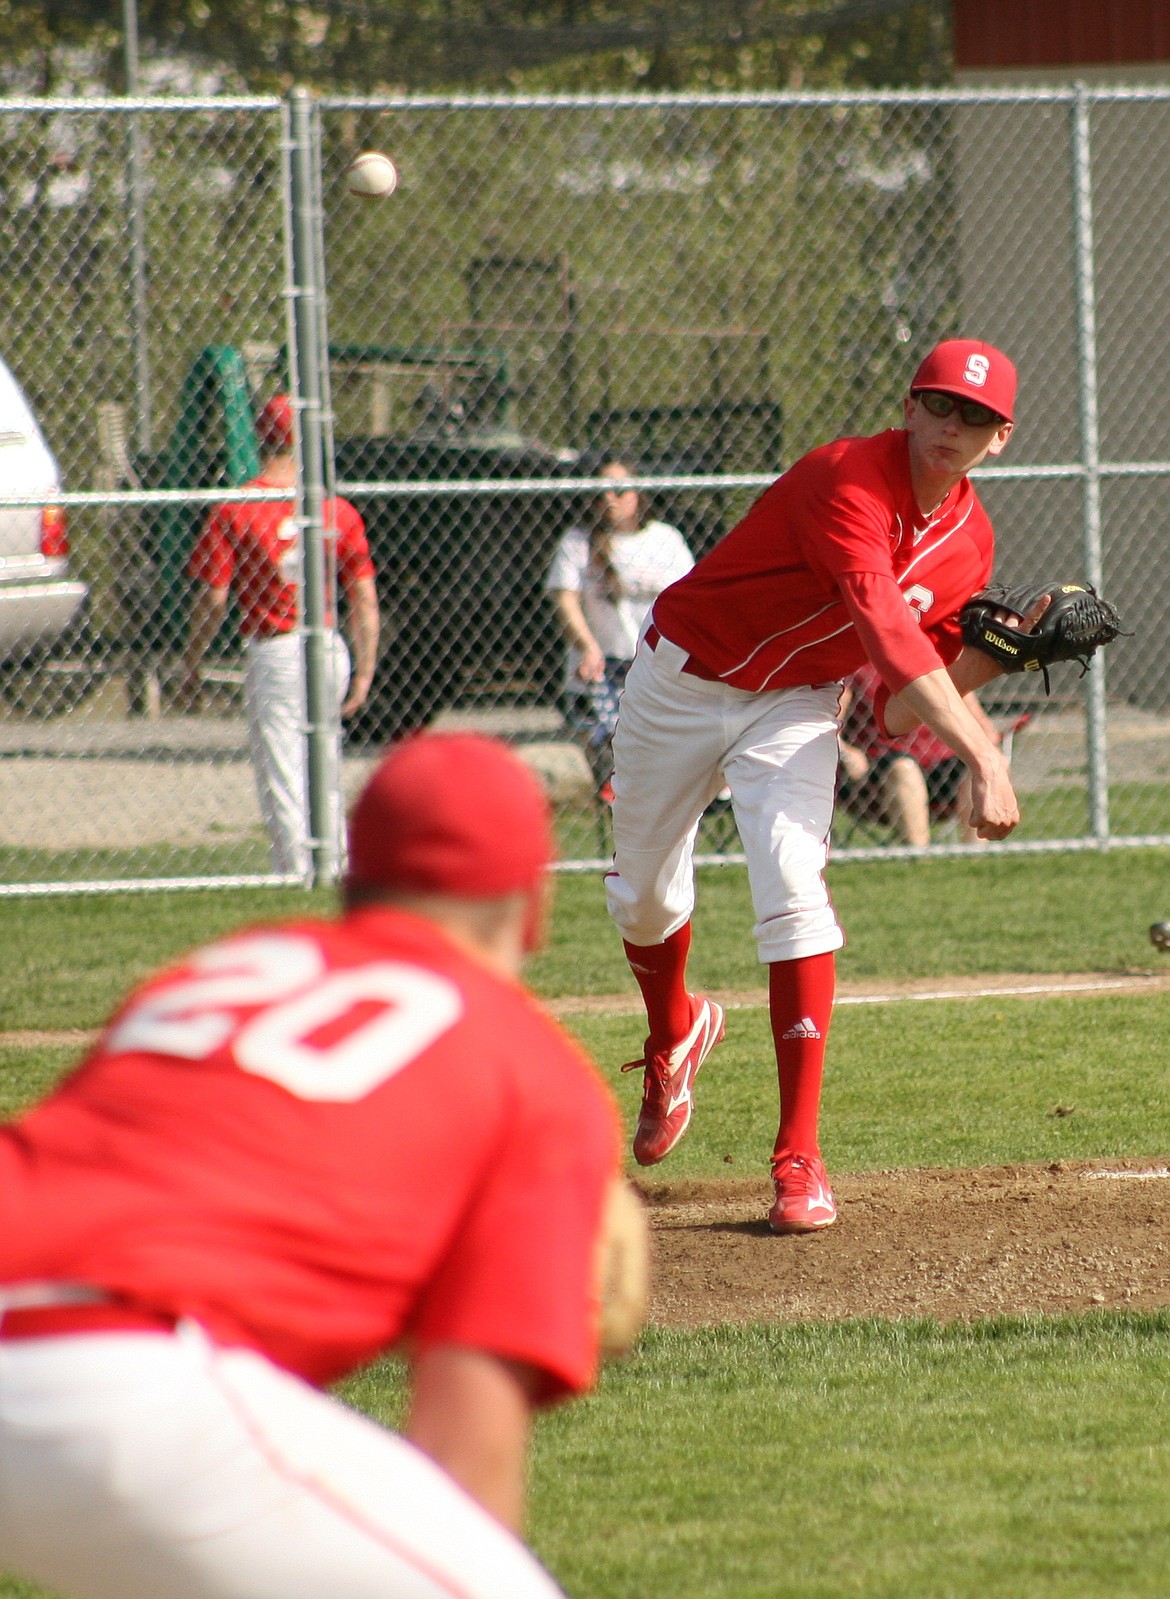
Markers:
145,276
705,286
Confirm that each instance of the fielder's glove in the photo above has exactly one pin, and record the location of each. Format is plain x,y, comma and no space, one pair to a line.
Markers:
1077,622
622,1269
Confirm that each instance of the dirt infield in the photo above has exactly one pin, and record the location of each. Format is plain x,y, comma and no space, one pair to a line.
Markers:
1069,1236
955,1245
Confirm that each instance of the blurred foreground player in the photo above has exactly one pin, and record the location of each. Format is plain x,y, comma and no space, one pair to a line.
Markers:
866,549
297,1148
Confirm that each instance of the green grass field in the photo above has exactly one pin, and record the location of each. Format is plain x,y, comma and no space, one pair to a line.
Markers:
1003,1458
869,1459
872,1459
64,962
970,1083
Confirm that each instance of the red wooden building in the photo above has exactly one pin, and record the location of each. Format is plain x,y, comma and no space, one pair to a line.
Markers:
1063,206
1055,34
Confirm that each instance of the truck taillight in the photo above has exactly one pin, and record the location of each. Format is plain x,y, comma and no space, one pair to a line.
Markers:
54,533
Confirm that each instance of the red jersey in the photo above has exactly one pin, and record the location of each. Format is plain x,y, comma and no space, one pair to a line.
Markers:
320,1138
255,549
764,609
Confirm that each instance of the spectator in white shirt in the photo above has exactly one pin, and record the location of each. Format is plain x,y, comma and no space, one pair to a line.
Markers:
604,578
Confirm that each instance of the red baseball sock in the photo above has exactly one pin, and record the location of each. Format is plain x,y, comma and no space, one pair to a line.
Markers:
800,998
660,971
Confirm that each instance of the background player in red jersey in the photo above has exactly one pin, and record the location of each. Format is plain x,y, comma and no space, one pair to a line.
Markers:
253,552
906,782
866,549
295,1149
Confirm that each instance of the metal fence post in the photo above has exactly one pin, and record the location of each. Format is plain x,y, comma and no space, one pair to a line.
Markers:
139,265
307,292
1095,719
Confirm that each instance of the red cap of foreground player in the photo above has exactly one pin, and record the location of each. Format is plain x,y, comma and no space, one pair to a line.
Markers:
973,371
274,425
451,813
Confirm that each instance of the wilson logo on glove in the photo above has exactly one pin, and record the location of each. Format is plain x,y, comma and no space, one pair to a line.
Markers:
1075,623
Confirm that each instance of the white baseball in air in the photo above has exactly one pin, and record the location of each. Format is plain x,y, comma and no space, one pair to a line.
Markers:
371,175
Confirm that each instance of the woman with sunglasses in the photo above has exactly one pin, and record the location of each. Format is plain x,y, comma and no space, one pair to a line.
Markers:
603,579
865,550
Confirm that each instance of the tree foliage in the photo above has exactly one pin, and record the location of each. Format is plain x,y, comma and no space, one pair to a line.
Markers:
364,46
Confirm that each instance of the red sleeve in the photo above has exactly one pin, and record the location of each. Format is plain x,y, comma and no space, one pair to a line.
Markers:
885,624
519,1278
847,527
213,559
353,551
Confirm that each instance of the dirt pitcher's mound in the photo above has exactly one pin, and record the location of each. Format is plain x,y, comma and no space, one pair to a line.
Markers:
1068,1236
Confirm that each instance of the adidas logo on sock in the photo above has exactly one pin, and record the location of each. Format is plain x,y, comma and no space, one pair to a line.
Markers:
804,1028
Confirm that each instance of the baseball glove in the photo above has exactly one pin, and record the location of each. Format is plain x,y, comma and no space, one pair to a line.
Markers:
622,1269
1076,622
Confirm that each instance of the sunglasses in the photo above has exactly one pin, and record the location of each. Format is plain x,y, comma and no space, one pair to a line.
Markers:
970,411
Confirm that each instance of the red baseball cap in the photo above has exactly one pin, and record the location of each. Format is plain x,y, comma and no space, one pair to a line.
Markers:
274,425
451,813
971,370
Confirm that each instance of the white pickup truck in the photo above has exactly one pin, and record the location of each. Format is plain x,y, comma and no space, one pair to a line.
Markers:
38,599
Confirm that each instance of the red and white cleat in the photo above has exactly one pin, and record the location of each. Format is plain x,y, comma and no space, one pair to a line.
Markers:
804,1200
668,1085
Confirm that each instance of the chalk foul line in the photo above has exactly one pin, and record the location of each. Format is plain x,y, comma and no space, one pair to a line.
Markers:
1010,992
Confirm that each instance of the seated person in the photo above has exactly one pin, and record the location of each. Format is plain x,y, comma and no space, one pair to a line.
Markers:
906,782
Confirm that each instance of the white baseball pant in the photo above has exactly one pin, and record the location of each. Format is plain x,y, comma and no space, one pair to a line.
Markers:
149,1465
274,693
679,739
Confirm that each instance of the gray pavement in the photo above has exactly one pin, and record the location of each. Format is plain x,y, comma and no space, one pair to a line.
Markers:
100,778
